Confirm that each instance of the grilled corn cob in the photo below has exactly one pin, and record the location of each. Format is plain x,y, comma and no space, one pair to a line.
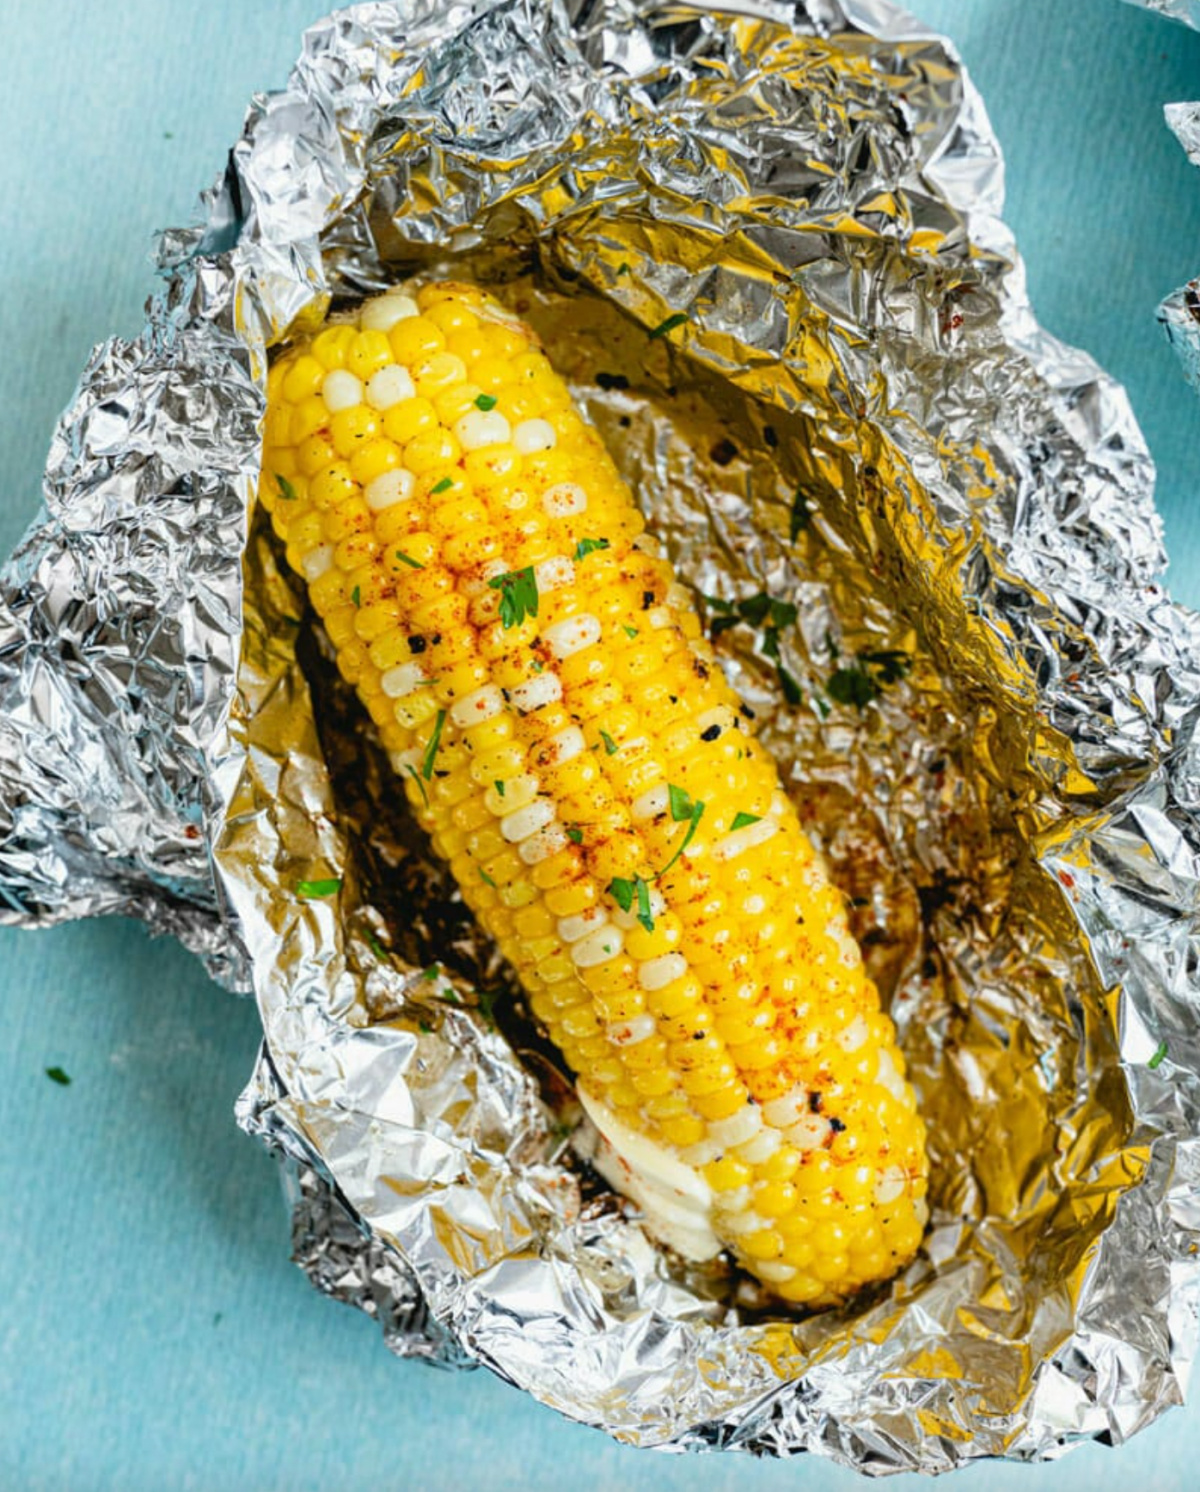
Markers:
564,734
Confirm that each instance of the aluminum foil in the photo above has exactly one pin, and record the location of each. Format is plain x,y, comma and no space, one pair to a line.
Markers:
1187,11
764,245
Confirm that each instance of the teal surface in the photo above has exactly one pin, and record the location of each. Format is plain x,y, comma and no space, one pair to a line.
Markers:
153,1335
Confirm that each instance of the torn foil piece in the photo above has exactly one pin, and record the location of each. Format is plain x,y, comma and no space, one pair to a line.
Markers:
983,709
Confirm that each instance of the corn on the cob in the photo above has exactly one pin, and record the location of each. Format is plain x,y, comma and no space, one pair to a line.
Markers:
565,736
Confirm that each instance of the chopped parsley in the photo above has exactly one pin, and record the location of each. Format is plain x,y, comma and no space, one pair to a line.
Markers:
432,749
861,682
610,746
682,806
328,887
626,892
286,490
486,1003
407,559
356,595
376,946
744,820
485,402
589,546
432,972
485,878
697,813
57,1075
629,631
499,786
669,324
624,269
1159,1053
575,836
443,486
518,596
412,772
791,690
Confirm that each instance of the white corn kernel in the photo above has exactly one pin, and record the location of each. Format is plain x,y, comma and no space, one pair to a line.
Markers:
650,804
744,1222
629,1033
341,390
540,846
744,839
773,1271
853,1036
597,948
317,561
764,1145
402,680
395,486
738,1128
566,746
481,427
389,386
543,689
889,1077
700,1153
553,574
659,617
781,1112
572,635
657,973
528,820
534,435
571,929
479,705
565,500
754,905
810,1133
890,1186
383,312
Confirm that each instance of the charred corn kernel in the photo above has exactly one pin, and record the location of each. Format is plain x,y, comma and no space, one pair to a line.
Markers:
562,731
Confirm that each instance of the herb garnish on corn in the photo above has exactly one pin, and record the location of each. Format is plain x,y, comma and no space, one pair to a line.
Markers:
565,735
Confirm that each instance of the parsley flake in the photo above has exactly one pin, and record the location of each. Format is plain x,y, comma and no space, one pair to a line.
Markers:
376,946
610,746
499,786
518,596
485,402
625,892
588,546
629,631
744,820
328,887
669,324
356,595
407,559
57,1075
412,772
432,749
682,806
443,486
575,836
697,814
485,878
286,490
1159,1053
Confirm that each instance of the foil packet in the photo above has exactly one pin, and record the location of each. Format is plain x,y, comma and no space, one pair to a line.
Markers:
764,245
1187,11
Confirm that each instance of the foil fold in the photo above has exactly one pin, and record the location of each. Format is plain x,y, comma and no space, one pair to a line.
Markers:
764,246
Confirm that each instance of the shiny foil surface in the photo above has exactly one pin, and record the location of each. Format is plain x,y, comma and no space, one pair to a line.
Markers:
764,245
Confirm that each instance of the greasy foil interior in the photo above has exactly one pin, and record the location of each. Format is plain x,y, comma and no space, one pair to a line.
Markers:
764,247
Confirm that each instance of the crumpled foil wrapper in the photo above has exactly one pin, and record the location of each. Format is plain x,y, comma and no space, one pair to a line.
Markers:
764,245
1187,11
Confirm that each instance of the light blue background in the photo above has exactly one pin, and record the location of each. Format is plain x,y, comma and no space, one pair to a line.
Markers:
152,1333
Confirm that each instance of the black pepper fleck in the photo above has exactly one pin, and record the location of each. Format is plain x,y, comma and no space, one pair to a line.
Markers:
711,733
814,1103
647,600
837,1126
417,644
